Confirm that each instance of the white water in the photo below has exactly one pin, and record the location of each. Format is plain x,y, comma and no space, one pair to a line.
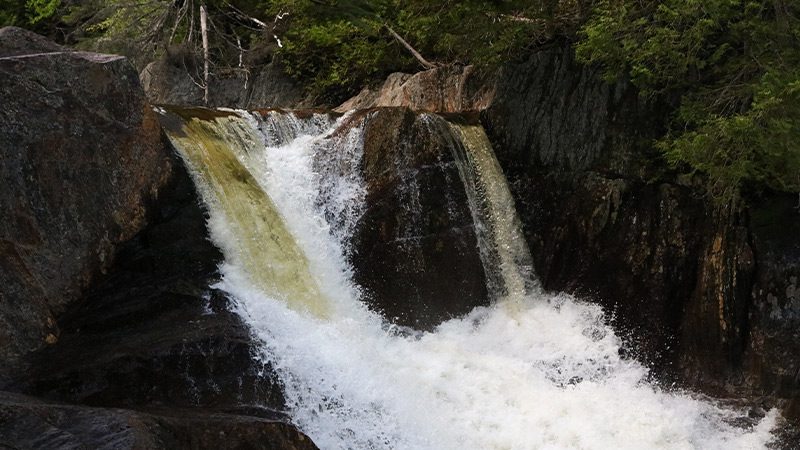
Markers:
545,374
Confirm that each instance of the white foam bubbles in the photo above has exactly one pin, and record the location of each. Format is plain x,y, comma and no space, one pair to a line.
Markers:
548,376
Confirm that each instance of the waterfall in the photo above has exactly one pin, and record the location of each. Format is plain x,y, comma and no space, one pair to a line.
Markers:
284,192
221,154
504,252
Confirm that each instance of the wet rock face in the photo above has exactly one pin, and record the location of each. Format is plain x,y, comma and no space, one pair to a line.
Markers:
105,271
415,249
704,293
151,336
631,247
551,111
82,153
773,337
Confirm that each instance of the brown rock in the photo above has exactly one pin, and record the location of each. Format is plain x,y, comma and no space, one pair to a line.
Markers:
445,89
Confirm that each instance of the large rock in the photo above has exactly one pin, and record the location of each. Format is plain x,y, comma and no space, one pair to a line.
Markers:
772,324
551,111
105,257
444,89
631,246
82,154
29,423
707,294
416,253
173,80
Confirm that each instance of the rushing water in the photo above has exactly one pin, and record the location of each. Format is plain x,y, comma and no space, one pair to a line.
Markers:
532,371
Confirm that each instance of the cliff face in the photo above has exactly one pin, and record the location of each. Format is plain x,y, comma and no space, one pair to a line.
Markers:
695,284
708,294
705,293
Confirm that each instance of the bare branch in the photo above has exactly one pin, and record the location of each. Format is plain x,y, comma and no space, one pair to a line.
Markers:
178,17
204,33
425,63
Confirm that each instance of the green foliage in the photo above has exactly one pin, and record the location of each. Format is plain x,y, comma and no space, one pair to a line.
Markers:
341,45
338,55
11,12
333,48
39,10
735,65
29,13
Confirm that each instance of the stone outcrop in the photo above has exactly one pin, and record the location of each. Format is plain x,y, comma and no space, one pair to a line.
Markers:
173,80
151,332
82,154
771,328
446,89
153,338
416,251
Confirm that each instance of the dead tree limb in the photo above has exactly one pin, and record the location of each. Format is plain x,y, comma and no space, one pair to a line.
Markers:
425,63
204,34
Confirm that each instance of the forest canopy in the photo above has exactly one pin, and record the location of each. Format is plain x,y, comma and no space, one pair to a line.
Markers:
730,69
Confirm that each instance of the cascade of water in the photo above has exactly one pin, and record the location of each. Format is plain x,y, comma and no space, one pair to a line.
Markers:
244,220
549,375
503,249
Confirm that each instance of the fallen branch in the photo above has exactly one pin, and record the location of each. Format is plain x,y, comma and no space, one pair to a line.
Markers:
425,63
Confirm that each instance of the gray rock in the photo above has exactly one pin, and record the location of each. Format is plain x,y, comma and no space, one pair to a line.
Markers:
82,154
105,274
706,294
28,423
415,248
173,80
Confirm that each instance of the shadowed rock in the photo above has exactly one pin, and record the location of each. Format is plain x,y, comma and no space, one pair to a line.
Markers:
415,249
704,293
26,422
151,332
81,155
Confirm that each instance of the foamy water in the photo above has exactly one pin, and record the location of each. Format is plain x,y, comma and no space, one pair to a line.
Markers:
544,373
